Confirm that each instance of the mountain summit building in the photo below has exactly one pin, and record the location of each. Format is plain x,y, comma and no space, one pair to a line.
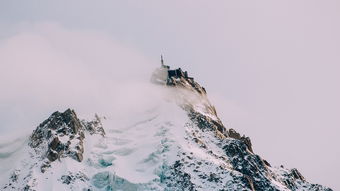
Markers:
164,75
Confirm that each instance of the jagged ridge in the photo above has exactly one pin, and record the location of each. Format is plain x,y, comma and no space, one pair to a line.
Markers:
208,155
256,173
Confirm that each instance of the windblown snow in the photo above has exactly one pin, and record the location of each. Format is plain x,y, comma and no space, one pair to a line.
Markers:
177,143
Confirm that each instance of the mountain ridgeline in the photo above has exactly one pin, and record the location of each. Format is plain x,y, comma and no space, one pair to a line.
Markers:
189,149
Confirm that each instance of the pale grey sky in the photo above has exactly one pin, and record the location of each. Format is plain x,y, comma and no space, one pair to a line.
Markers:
271,67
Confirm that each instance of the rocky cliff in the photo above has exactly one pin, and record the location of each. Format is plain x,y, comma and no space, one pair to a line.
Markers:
179,145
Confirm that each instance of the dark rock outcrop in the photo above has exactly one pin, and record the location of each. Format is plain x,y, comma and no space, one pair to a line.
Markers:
204,156
246,140
249,164
256,173
95,126
62,135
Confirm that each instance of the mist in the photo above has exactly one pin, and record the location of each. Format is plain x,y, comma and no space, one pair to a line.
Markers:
269,67
47,67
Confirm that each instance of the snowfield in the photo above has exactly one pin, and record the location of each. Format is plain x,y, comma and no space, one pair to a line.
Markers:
175,143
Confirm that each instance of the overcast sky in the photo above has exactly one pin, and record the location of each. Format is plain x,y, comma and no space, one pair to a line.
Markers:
270,67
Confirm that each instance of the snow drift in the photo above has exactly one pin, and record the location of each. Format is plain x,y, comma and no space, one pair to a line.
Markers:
177,142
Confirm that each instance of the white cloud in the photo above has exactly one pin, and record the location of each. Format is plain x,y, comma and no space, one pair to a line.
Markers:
48,67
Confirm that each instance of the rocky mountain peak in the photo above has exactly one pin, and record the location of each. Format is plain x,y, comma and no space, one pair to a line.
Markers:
206,116
62,135
166,148
248,170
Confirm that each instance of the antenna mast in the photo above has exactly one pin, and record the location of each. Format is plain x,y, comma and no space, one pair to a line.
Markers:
162,61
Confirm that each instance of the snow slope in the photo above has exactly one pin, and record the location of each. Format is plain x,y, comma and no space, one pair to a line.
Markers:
178,143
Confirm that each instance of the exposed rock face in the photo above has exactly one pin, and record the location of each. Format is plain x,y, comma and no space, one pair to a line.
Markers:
204,121
94,127
61,135
251,166
248,170
195,152
71,178
246,140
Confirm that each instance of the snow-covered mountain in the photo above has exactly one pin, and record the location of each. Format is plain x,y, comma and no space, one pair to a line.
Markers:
179,144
